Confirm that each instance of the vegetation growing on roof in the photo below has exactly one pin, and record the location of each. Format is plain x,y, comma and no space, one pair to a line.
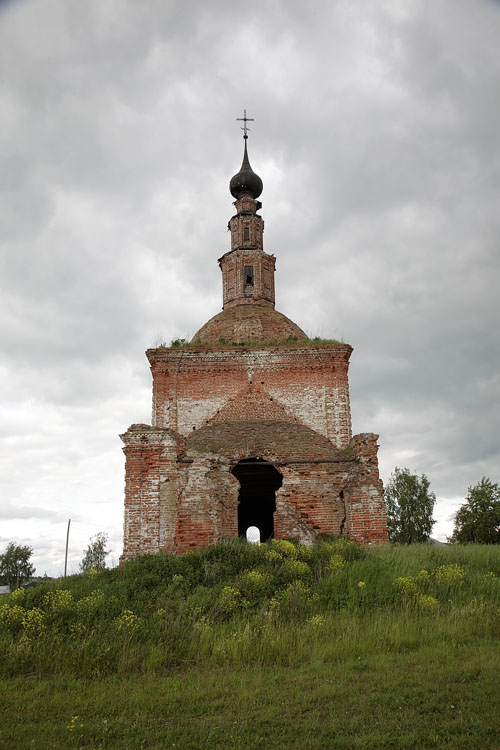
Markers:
223,343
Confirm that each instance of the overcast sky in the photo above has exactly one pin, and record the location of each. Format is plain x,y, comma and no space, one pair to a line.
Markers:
376,135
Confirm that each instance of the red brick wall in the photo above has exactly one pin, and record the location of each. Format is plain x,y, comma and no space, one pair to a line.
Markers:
310,383
366,520
246,217
309,501
235,290
182,495
150,498
208,505
247,249
212,408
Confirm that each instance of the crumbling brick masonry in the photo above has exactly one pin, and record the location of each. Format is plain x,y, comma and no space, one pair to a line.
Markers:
251,422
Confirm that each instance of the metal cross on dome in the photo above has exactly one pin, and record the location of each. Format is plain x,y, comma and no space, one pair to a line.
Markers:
244,120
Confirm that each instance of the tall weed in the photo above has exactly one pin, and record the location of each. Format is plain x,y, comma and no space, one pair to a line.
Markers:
238,603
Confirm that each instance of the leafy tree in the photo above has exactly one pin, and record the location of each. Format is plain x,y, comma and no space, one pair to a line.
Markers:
95,554
15,566
478,520
409,505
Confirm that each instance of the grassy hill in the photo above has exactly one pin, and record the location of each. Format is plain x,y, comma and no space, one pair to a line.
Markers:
270,646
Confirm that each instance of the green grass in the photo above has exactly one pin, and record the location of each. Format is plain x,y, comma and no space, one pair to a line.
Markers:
271,646
412,700
222,343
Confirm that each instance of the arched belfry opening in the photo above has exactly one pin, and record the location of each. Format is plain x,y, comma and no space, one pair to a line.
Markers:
259,481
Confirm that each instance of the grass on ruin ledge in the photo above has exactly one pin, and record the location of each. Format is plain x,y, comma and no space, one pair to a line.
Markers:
222,343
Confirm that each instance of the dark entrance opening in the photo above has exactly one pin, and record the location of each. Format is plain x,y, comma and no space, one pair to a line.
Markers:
259,481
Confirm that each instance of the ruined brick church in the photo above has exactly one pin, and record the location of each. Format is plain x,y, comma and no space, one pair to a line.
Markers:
251,421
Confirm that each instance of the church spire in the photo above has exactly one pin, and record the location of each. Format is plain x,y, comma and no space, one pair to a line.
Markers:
245,183
247,271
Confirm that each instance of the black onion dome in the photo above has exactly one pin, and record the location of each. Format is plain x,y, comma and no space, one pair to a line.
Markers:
246,181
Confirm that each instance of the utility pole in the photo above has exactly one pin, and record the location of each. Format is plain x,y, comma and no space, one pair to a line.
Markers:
66,555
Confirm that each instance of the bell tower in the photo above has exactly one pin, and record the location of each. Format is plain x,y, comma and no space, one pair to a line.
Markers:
251,421
247,271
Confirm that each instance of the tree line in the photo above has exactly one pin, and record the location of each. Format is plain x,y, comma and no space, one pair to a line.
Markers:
16,567
410,504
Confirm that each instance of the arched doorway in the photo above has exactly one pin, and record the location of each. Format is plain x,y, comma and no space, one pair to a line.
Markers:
259,481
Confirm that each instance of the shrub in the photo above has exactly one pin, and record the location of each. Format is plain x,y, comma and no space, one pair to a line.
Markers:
284,547
449,575
295,601
336,563
128,622
228,603
12,618
427,603
255,584
293,570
